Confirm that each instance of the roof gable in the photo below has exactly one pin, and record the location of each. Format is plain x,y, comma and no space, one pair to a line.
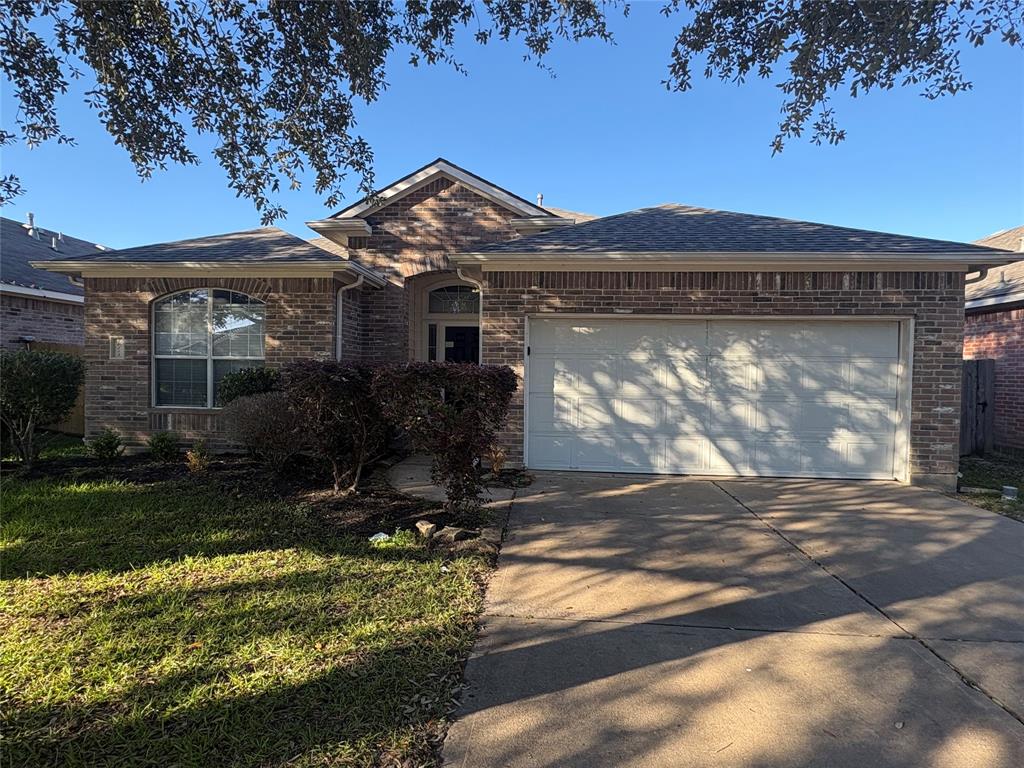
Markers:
439,168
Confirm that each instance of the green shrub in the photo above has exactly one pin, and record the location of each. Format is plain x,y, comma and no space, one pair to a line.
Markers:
197,458
247,382
340,417
36,388
164,446
267,426
106,447
452,412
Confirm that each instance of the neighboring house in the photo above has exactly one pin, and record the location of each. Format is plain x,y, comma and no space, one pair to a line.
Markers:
994,329
669,339
36,305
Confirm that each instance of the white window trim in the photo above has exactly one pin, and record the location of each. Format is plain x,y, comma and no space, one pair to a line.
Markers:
209,357
446,319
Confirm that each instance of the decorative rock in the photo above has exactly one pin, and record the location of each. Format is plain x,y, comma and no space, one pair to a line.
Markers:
491,533
450,534
426,529
475,547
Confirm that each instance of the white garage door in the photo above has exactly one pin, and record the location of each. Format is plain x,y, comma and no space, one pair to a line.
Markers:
806,398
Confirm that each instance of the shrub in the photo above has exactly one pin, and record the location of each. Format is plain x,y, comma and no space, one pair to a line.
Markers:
247,382
164,446
267,426
106,446
340,417
452,412
197,458
36,388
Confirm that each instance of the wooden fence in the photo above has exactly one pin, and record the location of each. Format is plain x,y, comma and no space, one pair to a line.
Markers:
74,424
977,407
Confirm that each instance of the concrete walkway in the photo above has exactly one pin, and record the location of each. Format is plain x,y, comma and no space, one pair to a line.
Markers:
639,621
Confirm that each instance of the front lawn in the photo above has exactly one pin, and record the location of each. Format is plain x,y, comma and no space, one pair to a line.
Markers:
183,622
992,473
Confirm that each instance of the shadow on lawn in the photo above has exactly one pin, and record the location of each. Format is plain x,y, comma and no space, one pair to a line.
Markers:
53,527
384,706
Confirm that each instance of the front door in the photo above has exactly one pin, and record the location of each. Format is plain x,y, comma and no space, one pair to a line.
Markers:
461,344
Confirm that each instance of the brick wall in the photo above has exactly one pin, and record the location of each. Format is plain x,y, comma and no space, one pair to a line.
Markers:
300,323
416,233
40,318
999,336
934,300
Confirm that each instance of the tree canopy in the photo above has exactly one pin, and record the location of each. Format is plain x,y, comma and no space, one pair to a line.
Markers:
276,83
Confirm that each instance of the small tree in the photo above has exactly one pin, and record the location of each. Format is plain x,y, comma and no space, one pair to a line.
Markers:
452,412
340,417
36,388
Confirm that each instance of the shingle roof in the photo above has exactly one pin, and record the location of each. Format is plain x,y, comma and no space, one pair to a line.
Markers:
264,245
1001,281
674,228
18,248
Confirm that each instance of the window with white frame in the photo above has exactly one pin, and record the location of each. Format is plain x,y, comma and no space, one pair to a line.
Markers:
198,336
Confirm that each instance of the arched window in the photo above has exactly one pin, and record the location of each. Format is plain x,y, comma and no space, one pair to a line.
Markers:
198,336
454,300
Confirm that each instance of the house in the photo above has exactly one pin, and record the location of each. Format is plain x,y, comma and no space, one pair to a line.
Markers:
994,329
37,305
669,339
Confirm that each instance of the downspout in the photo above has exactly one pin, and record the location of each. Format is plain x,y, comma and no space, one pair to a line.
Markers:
341,315
480,319
982,274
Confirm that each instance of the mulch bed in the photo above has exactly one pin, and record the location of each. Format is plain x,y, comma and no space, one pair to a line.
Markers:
376,507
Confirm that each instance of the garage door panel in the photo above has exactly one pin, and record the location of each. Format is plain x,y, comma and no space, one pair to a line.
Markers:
874,377
635,414
804,397
597,413
551,451
549,414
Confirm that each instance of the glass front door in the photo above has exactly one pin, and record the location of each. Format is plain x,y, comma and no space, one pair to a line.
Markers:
461,344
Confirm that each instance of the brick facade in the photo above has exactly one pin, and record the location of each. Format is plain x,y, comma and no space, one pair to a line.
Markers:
42,319
934,300
999,336
300,323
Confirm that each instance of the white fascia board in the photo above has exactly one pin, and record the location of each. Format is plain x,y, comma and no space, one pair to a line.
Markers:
211,269
350,227
719,261
39,293
991,301
434,170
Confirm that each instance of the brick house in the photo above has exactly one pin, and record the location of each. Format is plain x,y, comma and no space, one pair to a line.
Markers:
35,304
994,330
668,340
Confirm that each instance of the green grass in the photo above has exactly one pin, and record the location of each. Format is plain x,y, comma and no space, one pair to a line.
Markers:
994,472
172,625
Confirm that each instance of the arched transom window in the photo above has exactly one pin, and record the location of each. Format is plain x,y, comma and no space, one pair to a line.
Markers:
198,336
454,300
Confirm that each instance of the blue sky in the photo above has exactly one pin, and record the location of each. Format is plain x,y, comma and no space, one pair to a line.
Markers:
602,137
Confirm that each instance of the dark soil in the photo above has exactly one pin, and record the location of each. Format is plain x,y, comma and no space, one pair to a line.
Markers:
373,508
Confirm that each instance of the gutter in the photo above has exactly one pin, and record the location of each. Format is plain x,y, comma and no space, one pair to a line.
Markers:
480,312
341,315
39,293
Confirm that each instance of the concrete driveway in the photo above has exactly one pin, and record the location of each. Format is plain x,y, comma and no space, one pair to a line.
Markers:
641,621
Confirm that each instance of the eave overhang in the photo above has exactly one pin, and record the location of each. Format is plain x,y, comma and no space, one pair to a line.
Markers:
709,261
320,268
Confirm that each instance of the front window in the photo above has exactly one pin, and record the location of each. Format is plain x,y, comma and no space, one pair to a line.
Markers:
200,335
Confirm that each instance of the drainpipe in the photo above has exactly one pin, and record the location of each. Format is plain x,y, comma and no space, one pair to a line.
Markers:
982,274
480,318
341,315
